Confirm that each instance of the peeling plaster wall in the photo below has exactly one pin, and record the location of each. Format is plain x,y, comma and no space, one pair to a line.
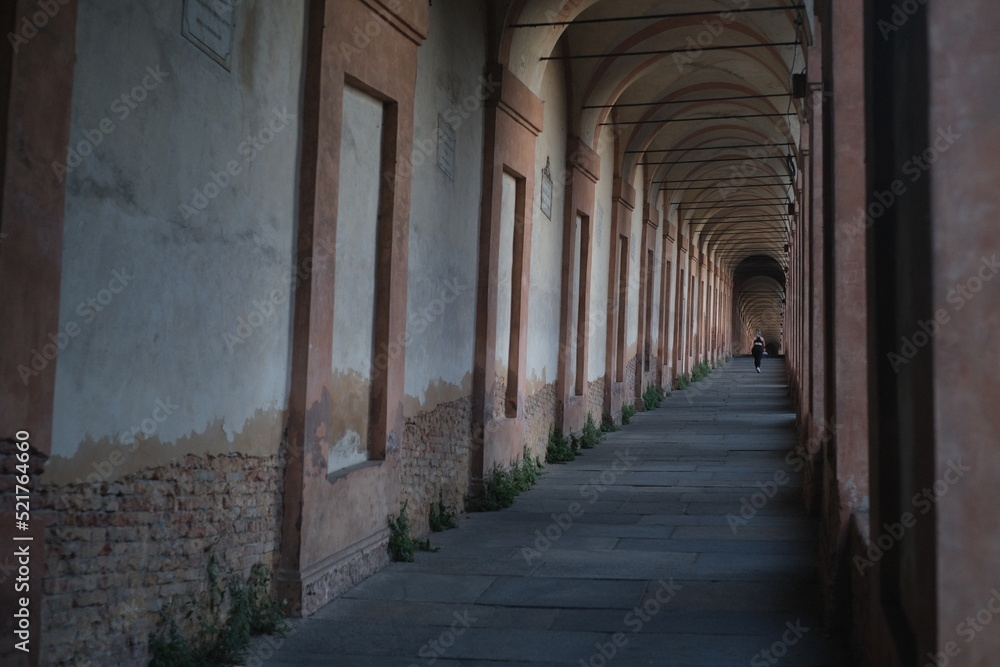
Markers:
546,287
602,258
444,210
178,254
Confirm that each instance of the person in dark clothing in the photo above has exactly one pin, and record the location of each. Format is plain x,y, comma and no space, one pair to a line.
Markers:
758,351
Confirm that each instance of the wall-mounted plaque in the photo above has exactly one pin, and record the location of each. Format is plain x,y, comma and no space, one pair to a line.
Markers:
446,146
546,188
600,224
210,25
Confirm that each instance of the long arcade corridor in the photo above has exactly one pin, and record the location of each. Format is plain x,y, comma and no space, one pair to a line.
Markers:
655,534
273,270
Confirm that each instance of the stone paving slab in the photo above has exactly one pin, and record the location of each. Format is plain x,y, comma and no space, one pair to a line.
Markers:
650,555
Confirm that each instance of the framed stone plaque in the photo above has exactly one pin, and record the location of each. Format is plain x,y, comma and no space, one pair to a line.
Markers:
210,25
546,190
446,147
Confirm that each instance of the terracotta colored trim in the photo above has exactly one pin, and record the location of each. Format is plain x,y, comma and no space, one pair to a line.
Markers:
623,193
650,216
37,97
517,100
409,17
572,384
670,232
39,103
582,157
314,548
512,124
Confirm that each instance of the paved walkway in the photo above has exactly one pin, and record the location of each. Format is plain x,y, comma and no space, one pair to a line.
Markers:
622,557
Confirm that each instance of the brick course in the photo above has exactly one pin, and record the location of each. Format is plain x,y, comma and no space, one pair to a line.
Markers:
436,448
119,553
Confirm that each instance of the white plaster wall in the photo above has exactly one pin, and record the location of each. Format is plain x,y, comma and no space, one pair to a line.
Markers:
202,326
354,279
444,212
602,258
545,294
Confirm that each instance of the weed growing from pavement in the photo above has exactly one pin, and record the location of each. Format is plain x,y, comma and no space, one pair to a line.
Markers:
628,411
561,449
402,546
221,639
442,517
501,486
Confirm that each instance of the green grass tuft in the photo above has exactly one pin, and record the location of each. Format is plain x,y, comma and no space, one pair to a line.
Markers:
591,435
560,449
501,486
628,411
402,546
442,517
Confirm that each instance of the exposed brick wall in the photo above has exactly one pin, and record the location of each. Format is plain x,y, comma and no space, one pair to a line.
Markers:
651,378
596,399
631,367
499,397
540,415
118,552
436,458
352,570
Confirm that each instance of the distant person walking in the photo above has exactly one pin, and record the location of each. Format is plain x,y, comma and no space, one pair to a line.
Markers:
758,351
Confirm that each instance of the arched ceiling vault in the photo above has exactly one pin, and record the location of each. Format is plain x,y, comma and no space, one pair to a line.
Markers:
700,94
